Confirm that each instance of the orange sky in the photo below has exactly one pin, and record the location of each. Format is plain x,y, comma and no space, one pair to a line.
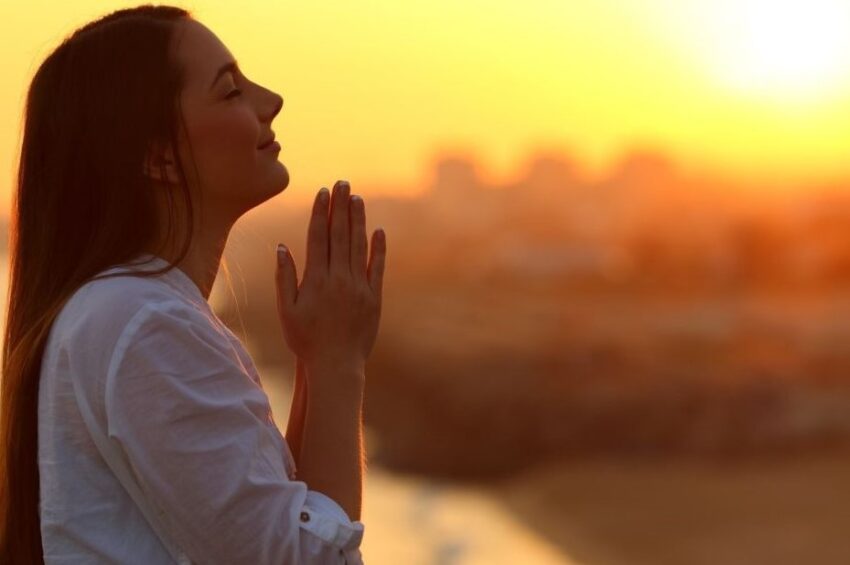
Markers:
374,89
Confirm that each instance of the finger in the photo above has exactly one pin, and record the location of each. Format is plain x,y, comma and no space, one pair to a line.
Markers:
376,262
340,246
317,238
286,279
358,238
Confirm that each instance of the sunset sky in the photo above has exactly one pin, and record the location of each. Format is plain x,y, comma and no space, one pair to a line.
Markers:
374,90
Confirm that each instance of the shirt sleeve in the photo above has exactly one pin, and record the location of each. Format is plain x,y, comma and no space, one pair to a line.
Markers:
199,438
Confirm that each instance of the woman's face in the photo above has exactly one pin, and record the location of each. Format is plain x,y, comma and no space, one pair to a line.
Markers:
227,116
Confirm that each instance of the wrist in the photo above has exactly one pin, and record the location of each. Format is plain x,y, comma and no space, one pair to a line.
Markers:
300,371
340,377
327,364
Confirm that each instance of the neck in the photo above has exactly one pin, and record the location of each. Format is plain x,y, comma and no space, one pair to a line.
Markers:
203,258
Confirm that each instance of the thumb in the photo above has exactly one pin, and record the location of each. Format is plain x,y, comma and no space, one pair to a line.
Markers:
286,278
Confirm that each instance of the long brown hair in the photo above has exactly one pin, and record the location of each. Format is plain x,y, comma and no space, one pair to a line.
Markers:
82,204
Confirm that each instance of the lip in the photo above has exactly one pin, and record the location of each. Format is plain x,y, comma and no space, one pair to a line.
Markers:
273,146
266,143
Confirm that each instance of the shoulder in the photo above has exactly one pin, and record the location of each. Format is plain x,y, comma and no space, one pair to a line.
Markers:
98,312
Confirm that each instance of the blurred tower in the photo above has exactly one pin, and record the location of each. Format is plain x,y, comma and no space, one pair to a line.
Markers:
548,172
541,201
643,167
454,177
456,198
643,188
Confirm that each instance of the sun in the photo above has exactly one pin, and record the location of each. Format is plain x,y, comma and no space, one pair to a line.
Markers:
784,48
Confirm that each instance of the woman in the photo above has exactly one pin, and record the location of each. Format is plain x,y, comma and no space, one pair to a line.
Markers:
135,427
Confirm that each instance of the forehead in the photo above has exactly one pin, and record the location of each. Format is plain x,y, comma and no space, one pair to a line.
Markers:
201,52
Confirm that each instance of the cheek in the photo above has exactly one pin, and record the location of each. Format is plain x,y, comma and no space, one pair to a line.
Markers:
224,144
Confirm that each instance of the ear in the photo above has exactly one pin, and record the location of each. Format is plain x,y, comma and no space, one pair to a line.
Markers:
159,160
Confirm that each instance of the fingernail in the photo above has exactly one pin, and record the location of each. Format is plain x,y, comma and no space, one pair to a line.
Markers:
281,253
323,195
355,198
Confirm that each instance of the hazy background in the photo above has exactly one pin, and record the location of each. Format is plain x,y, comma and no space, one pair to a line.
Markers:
616,303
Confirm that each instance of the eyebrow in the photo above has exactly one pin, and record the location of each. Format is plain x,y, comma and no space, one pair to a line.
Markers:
230,66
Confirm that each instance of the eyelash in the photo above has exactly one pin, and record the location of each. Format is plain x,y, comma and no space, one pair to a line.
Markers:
234,93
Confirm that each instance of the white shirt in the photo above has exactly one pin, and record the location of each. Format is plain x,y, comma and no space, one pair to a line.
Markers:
179,401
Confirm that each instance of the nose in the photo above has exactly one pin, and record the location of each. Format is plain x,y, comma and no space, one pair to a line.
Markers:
277,105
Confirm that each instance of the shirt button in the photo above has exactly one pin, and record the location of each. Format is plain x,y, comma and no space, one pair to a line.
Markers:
305,517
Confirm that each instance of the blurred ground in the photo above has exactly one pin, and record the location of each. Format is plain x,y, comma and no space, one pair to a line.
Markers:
777,511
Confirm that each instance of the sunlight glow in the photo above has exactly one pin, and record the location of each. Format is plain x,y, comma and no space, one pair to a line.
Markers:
786,48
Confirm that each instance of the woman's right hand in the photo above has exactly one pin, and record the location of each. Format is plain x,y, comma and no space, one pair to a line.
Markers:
331,319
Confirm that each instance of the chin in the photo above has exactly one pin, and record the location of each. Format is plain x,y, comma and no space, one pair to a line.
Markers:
284,177
278,180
